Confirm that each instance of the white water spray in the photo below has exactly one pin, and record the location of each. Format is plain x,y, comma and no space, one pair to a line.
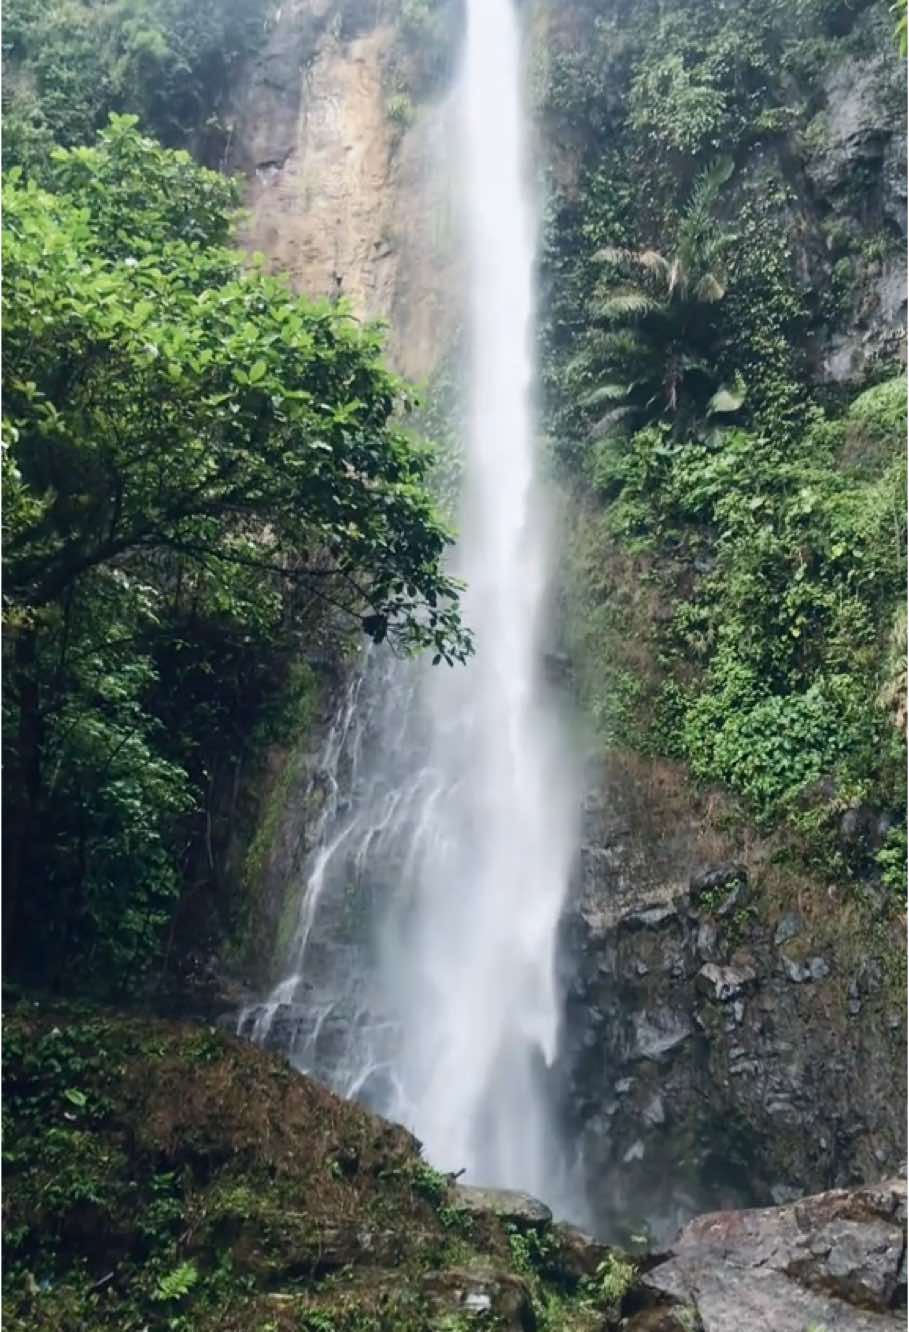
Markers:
475,959
460,834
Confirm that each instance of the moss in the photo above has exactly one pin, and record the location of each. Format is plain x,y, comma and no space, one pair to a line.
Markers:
168,1176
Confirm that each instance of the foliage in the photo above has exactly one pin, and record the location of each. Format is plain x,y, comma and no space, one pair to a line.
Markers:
429,31
176,1284
660,328
401,110
734,595
198,462
69,63
781,642
613,1279
186,1182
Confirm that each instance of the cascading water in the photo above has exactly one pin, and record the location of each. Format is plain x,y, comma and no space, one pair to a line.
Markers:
440,1004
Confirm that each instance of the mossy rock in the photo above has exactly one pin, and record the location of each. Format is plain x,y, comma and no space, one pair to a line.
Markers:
167,1176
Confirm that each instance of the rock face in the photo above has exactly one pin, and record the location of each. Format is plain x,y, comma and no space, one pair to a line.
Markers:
336,183
835,1261
480,1296
722,1049
856,171
507,1205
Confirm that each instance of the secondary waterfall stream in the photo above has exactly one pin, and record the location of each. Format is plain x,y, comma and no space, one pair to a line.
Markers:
422,976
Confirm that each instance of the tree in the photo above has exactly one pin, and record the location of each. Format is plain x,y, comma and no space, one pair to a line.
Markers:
657,327
186,443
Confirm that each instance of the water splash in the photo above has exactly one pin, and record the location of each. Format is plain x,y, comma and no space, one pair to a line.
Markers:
438,1004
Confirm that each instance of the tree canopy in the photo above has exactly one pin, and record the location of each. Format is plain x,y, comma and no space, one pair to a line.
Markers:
186,443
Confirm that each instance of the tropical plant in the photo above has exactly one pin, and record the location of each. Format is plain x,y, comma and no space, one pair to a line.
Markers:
657,328
898,10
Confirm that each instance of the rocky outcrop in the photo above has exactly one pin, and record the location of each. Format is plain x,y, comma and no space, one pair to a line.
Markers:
855,169
723,1047
835,1261
509,1206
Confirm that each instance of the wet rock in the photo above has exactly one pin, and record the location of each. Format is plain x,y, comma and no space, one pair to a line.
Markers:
812,969
507,1205
728,881
780,1067
634,1153
650,917
784,1193
484,1294
707,941
818,968
788,928
829,1261
796,971
578,1254
724,983
658,1033
655,1112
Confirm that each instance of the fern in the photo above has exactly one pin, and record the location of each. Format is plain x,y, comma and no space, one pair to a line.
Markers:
176,1284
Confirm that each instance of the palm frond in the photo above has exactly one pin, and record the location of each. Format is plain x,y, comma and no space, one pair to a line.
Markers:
626,301
613,254
605,423
678,276
728,398
579,363
708,185
618,344
710,289
606,393
652,261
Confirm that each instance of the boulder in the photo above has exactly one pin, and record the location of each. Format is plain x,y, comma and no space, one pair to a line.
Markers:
724,983
579,1254
507,1206
832,1261
719,889
483,1295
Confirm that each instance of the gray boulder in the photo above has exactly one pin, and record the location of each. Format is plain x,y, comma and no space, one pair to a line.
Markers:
506,1205
832,1261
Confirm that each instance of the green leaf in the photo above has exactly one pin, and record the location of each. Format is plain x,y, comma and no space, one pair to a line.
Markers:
257,372
727,399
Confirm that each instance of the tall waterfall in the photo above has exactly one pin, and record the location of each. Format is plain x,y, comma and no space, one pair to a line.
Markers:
459,834
478,947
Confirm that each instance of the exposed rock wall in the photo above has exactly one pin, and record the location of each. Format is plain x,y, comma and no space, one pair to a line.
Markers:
726,1042
343,198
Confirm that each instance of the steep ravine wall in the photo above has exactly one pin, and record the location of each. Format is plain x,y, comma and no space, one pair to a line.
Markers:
726,1041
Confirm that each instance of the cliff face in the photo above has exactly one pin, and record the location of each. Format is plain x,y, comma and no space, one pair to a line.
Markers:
733,1029
347,196
729,1039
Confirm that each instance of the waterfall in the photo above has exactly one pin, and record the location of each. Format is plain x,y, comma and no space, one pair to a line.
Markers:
442,1004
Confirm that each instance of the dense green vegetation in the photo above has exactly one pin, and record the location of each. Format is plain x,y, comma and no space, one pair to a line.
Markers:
736,575
159,1177
69,63
198,467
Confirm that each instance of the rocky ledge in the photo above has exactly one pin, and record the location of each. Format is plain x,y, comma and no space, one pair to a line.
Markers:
835,1261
